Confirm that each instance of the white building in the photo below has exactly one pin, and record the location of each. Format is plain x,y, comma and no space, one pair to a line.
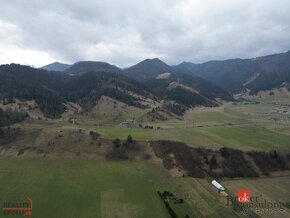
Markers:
217,185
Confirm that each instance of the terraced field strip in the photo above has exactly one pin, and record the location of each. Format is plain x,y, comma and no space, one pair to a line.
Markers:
205,200
113,204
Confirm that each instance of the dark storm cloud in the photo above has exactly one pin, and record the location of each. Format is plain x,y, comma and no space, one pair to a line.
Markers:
125,32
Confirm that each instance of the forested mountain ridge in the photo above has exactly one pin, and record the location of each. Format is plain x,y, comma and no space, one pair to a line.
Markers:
233,75
186,90
180,87
237,75
26,83
56,66
51,91
83,67
88,88
148,69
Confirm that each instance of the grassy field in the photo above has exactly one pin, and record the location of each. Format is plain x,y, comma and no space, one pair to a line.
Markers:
229,127
122,133
208,201
242,137
247,138
246,127
240,126
82,188
70,187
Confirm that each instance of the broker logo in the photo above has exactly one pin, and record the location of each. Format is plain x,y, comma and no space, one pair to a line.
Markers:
18,208
244,195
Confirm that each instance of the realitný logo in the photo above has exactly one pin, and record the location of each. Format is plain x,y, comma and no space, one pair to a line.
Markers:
18,208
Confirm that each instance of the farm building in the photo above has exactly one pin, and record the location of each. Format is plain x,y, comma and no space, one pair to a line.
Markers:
217,185
129,124
72,120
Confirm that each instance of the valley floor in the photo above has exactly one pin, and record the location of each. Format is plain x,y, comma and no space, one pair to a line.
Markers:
63,167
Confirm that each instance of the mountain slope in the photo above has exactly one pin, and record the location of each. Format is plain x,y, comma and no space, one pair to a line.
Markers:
52,90
147,69
158,84
236,75
56,66
27,83
186,90
88,88
83,67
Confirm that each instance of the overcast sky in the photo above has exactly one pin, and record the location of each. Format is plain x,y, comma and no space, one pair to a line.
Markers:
124,32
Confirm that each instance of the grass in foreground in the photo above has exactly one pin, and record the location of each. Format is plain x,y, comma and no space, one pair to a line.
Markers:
73,188
82,188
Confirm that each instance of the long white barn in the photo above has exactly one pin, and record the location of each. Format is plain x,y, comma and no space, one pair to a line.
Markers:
217,185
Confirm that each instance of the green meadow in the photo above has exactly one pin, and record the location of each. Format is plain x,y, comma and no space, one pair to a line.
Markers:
122,133
83,188
74,187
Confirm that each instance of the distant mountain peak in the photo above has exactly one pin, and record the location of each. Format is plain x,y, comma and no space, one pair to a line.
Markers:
83,67
153,60
56,66
157,60
148,68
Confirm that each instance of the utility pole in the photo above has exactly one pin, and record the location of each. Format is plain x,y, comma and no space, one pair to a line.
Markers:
275,120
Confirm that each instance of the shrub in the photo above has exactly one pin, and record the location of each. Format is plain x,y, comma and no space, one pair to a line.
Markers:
129,139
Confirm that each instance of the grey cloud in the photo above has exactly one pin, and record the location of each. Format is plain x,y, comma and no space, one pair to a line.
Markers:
125,32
